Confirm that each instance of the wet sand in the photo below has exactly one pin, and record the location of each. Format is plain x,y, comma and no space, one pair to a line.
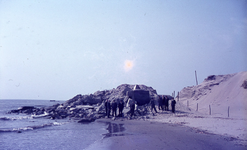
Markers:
146,135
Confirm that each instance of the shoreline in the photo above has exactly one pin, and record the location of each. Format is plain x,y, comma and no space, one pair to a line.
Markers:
231,127
150,134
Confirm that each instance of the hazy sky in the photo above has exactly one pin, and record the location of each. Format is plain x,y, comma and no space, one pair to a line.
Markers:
57,49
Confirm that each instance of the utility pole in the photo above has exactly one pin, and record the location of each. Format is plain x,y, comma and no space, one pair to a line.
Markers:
196,78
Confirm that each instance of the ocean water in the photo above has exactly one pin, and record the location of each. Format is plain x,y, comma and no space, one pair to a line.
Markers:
23,132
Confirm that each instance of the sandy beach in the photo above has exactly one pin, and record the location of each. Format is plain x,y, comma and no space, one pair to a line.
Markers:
211,115
144,135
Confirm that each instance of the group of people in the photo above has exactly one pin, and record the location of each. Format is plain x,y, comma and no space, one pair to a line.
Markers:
163,104
113,107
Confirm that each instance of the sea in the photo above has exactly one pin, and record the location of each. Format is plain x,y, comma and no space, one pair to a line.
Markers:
24,132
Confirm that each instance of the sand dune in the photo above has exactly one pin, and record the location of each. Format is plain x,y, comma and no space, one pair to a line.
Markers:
220,92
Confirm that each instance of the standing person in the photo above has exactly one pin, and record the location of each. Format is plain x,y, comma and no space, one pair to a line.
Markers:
160,103
153,105
166,103
173,105
120,108
131,104
108,108
114,108
163,102
132,108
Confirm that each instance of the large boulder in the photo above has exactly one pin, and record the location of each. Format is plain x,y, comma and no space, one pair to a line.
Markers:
140,96
244,85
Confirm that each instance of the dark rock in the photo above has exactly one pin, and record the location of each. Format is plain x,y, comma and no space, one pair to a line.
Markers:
86,120
140,96
244,85
4,118
211,77
51,108
26,107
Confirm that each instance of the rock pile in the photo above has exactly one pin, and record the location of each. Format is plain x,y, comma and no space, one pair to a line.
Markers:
87,108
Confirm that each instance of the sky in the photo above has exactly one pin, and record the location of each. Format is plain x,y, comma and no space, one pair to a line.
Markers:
58,49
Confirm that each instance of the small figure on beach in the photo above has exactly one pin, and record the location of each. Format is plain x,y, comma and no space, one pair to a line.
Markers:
108,108
120,108
173,103
163,102
114,108
166,103
153,106
160,103
131,104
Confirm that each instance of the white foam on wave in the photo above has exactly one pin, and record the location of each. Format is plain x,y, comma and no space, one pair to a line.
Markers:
39,116
33,127
16,118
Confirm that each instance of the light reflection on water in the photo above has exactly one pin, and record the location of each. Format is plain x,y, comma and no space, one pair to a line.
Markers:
114,129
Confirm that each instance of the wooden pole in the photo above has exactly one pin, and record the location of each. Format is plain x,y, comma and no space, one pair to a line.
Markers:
187,103
178,96
196,78
197,107
228,111
209,110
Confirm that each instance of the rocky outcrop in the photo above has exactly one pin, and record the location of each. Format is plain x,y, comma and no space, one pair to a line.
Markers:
244,85
115,94
196,92
87,108
28,110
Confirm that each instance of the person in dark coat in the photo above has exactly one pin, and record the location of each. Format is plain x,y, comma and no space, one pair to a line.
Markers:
166,103
120,108
114,108
108,108
132,108
173,103
160,103
153,106
163,102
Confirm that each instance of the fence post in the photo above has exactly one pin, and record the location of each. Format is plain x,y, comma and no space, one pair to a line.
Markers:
209,110
197,107
187,103
178,96
228,111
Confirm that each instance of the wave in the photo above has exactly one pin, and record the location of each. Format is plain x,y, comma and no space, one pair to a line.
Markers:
16,118
19,130
23,117
39,116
